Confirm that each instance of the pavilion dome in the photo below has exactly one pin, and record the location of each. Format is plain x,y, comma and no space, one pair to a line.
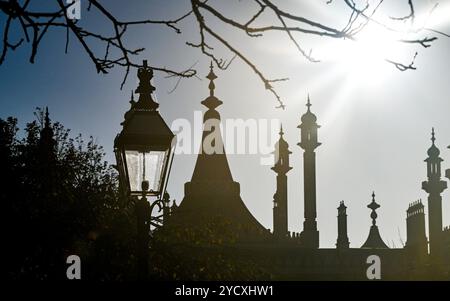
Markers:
309,117
433,151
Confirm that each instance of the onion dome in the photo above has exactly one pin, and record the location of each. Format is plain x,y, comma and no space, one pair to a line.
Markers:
433,151
309,117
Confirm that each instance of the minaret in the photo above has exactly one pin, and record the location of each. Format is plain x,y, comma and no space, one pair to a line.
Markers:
47,141
280,207
46,155
416,241
434,187
374,240
308,129
342,240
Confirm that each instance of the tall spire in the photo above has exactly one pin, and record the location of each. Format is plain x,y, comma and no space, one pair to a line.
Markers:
47,130
309,142
212,162
282,153
47,119
434,186
309,128
433,152
212,197
280,204
47,141
132,102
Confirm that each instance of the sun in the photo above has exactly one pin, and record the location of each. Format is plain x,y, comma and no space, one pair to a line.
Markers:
365,58
362,63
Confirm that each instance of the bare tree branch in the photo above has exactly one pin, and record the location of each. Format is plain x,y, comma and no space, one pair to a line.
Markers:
34,26
411,13
403,67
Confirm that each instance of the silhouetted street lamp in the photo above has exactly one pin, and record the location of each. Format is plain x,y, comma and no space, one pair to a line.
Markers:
144,151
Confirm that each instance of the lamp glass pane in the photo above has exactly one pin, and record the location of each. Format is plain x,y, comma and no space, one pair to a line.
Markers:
145,166
134,169
154,162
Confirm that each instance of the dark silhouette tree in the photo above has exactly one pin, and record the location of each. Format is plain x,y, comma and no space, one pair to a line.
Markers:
34,24
61,199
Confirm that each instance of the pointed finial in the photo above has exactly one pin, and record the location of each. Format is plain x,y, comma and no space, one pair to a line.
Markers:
432,135
211,76
374,206
145,88
308,103
47,119
211,102
281,130
132,98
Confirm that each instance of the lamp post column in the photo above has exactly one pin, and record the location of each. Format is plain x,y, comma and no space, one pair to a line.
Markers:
143,215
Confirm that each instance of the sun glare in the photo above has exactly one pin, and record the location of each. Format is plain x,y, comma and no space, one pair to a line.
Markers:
362,62
364,59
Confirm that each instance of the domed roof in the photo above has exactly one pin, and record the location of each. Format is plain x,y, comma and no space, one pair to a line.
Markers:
281,143
309,117
433,151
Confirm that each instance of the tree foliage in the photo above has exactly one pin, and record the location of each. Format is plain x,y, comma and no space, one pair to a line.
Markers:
61,199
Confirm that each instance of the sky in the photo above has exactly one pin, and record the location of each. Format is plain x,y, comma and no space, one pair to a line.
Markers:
375,120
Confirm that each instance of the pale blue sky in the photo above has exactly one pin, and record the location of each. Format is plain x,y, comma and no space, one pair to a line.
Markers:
375,125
